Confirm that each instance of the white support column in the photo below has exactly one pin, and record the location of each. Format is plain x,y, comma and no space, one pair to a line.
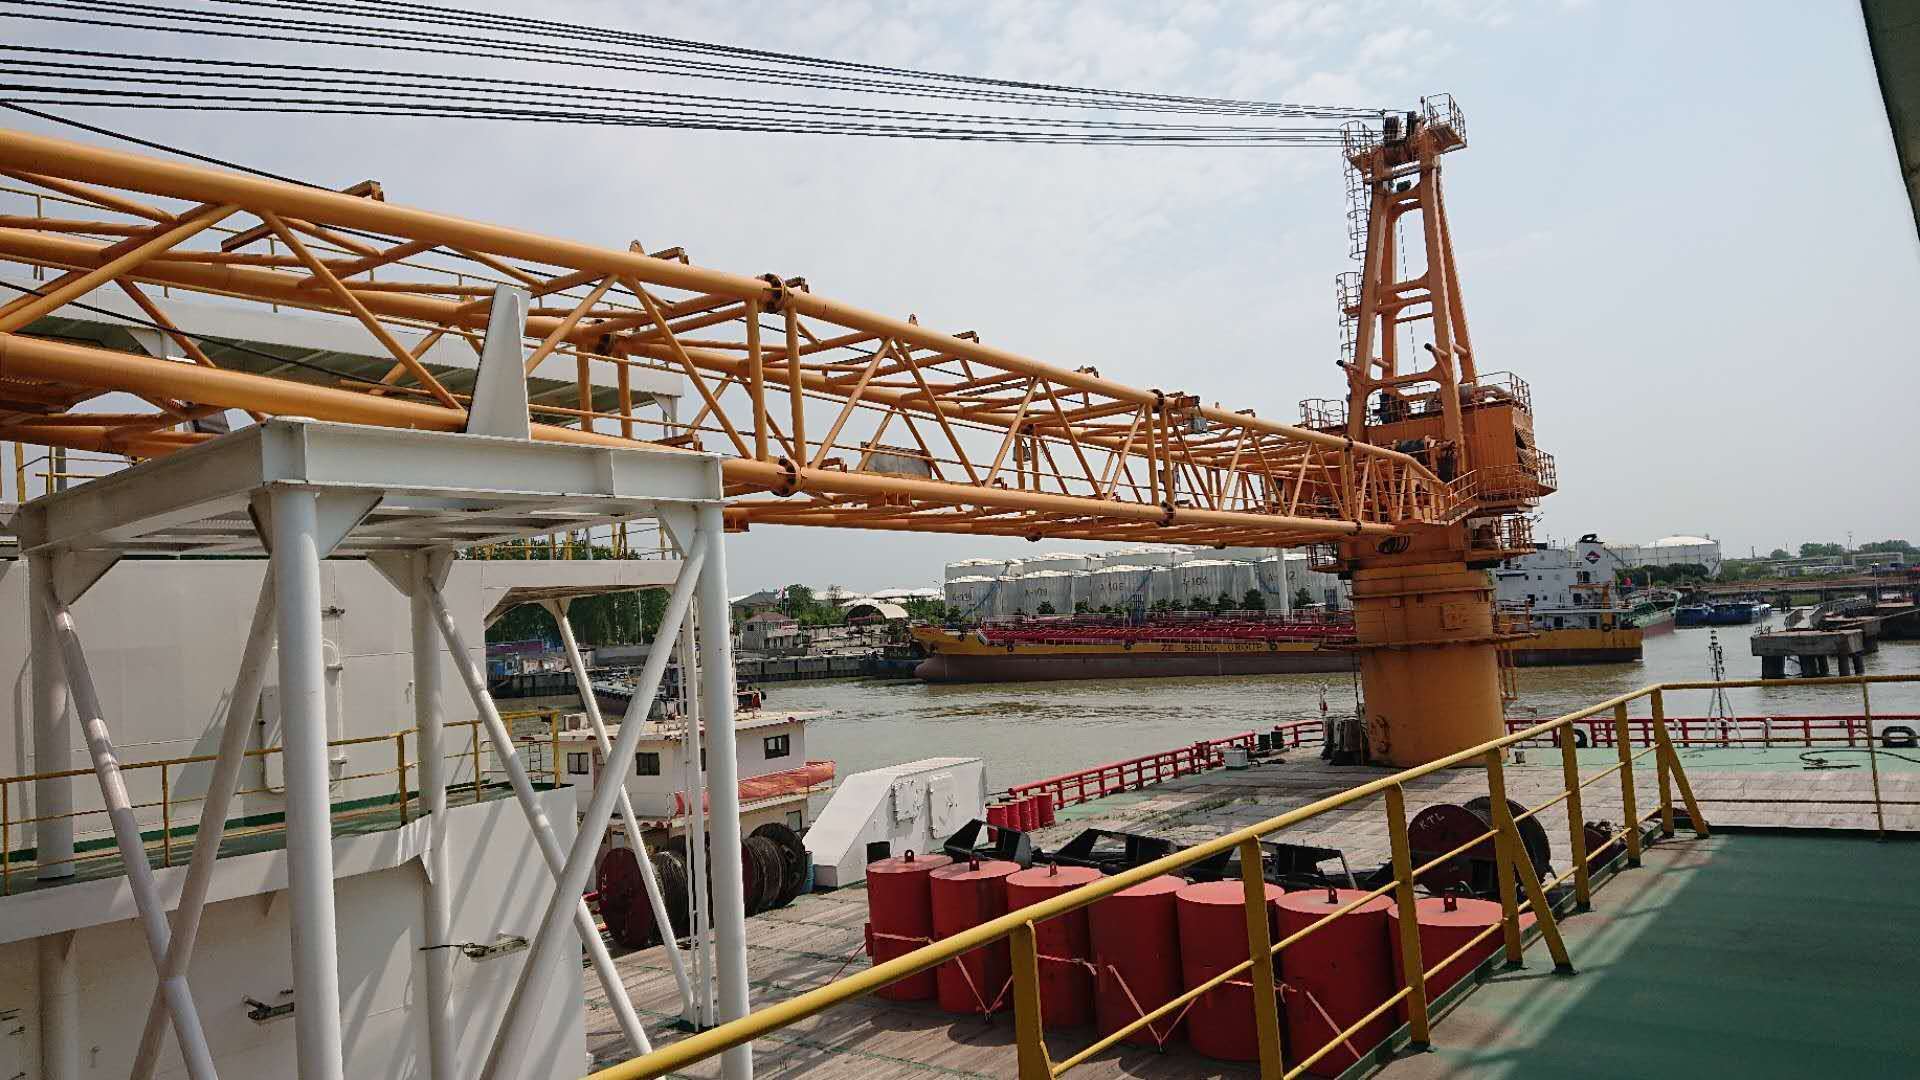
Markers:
503,749
126,832
59,1007
297,550
523,1009
242,705
424,571
655,899
52,735
723,785
59,978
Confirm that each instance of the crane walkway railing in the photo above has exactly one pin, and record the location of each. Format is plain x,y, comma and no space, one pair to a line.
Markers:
1521,892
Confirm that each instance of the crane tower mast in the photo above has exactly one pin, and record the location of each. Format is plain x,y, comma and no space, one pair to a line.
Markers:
1424,610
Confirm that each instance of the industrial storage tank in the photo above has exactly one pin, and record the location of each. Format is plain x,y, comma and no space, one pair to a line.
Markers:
1163,586
989,568
1120,587
1057,589
1234,554
1064,561
1270,577
1145,555
975,596
1209,579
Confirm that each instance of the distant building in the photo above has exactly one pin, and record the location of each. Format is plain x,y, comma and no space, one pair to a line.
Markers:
769,632
1671,551
753,603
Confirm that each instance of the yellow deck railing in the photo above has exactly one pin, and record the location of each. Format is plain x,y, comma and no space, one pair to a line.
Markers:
1514,871
171,825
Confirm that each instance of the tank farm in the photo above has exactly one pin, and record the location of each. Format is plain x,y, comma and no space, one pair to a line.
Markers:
1421,888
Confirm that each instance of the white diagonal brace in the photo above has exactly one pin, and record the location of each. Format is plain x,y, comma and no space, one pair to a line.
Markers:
656,900
126,833
503,749
241,706
523,1008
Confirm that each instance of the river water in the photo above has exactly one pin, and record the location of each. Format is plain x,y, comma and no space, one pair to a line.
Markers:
1026,731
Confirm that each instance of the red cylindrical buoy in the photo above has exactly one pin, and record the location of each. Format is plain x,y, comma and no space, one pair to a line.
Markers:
900,914
1136,957
964,896
1063,942
1446,924
1045,802
1335,975
1213,938
1029,816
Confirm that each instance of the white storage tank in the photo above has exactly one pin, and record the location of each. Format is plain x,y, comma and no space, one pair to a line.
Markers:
1208,579
1163,586
1235,554
1144,555
988,568
1053,588
973,595
1064,561
1120,587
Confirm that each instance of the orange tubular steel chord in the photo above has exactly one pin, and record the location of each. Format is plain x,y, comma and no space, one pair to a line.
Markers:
1082,468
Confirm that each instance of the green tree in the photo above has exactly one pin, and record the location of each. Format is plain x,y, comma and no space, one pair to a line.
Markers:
1199,603
1811,551
1079,607
1778,553
1302,597
1223,602
1900,547
1045,608
1253,601
1161,606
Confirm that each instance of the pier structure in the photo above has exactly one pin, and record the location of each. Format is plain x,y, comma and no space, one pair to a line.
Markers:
1835,638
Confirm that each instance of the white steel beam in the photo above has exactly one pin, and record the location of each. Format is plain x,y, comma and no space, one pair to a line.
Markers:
723,783
242,704
523,1008
656,900
297,550
503,749
126,832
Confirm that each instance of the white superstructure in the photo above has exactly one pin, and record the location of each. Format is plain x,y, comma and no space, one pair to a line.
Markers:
1671,551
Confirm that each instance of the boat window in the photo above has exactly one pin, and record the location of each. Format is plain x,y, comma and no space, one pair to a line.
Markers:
577,764
779,745
646,764
794,820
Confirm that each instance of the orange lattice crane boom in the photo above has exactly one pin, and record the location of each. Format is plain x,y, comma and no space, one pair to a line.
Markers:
823,413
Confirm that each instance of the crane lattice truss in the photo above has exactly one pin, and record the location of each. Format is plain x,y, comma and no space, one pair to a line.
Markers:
826,414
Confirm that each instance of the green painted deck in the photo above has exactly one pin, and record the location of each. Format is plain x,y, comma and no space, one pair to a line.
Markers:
1749,954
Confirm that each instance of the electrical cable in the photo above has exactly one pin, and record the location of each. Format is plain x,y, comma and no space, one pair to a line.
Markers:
308,33
392,10
563,91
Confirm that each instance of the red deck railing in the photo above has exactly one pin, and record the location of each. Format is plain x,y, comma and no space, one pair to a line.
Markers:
1070,789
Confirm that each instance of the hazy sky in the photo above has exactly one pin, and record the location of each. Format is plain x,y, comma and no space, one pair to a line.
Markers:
1682,223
